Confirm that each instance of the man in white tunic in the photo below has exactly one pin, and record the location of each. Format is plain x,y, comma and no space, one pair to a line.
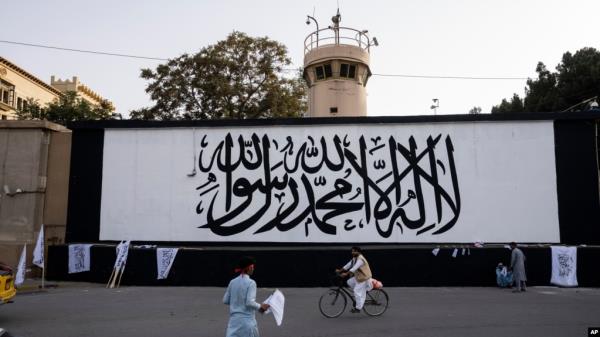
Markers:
360,280
517,265
241,298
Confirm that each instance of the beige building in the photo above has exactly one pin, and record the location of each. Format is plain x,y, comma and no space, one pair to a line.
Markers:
17,86
75,85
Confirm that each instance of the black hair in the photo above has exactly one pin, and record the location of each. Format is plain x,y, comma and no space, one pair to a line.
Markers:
245,261
356,248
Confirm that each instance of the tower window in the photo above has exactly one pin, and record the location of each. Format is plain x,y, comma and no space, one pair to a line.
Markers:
320,73
333,110
323,71
328,72
347,70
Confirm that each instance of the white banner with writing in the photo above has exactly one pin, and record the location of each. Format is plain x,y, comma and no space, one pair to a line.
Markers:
564,266
164,260
38,251
384,183
122,253
79,258
22,267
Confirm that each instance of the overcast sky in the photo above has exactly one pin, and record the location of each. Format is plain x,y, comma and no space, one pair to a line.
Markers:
470,38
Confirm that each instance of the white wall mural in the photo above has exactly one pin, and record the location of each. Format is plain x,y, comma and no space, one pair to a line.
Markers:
434,182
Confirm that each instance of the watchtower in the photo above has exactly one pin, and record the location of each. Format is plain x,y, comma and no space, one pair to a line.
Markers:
336,69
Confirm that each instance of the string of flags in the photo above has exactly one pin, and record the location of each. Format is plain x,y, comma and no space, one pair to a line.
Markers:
564,261
464,251
79,260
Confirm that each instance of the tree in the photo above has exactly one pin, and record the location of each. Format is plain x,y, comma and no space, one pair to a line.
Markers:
515,105
69,107
576,79
239,77
475,110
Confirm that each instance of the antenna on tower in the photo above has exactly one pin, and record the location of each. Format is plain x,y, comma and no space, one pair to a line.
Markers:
336,25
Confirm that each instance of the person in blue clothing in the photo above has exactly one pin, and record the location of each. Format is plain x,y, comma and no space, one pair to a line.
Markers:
504,277
241,298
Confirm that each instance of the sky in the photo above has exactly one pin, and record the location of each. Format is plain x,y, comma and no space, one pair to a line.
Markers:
464,38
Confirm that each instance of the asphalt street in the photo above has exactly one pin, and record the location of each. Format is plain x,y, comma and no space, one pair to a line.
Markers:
80,309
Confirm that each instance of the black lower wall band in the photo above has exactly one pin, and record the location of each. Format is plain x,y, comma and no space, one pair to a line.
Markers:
414,267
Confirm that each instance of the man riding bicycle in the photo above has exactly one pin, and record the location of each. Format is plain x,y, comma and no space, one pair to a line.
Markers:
360,277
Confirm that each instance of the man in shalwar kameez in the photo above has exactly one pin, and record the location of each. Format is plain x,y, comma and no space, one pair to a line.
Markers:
517,265
241,298
360,280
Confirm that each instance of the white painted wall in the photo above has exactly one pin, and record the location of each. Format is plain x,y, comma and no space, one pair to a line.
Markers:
505,172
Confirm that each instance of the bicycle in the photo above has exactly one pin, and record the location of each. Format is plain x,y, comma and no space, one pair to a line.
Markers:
333,302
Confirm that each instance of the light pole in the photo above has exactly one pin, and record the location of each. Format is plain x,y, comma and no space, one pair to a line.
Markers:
436,104
308,18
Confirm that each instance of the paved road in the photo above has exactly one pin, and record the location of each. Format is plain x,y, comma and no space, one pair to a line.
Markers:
90,310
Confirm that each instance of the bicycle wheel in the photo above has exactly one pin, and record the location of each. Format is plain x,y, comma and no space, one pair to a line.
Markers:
376,302
332,303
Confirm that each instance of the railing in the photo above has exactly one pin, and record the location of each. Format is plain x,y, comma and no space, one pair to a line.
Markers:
337,36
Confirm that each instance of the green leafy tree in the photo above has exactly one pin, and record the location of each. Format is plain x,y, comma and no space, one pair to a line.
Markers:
475,110
576,79
239,77
69,107
514,105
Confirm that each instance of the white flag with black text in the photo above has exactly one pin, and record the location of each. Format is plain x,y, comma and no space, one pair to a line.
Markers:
564,266
38,251
122,252
79,258
164,260
20,277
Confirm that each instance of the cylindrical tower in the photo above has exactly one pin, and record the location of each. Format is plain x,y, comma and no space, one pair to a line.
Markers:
336,69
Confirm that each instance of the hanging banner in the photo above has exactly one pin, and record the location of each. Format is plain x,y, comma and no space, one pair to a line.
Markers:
38,251
21,268
564,266
79,258
164,260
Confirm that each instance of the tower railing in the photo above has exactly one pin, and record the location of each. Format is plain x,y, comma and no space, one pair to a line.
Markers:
337,36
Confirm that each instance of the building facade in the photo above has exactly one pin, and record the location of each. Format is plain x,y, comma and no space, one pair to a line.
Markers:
18,87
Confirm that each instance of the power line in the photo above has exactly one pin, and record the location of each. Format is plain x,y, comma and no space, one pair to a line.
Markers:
284,69
84,51
451,77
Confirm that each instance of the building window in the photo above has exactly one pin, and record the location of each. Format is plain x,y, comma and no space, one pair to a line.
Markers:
19,103
4,117
323,71
7,91
347,70
333,110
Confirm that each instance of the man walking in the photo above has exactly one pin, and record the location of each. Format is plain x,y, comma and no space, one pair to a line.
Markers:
517,265
241,298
